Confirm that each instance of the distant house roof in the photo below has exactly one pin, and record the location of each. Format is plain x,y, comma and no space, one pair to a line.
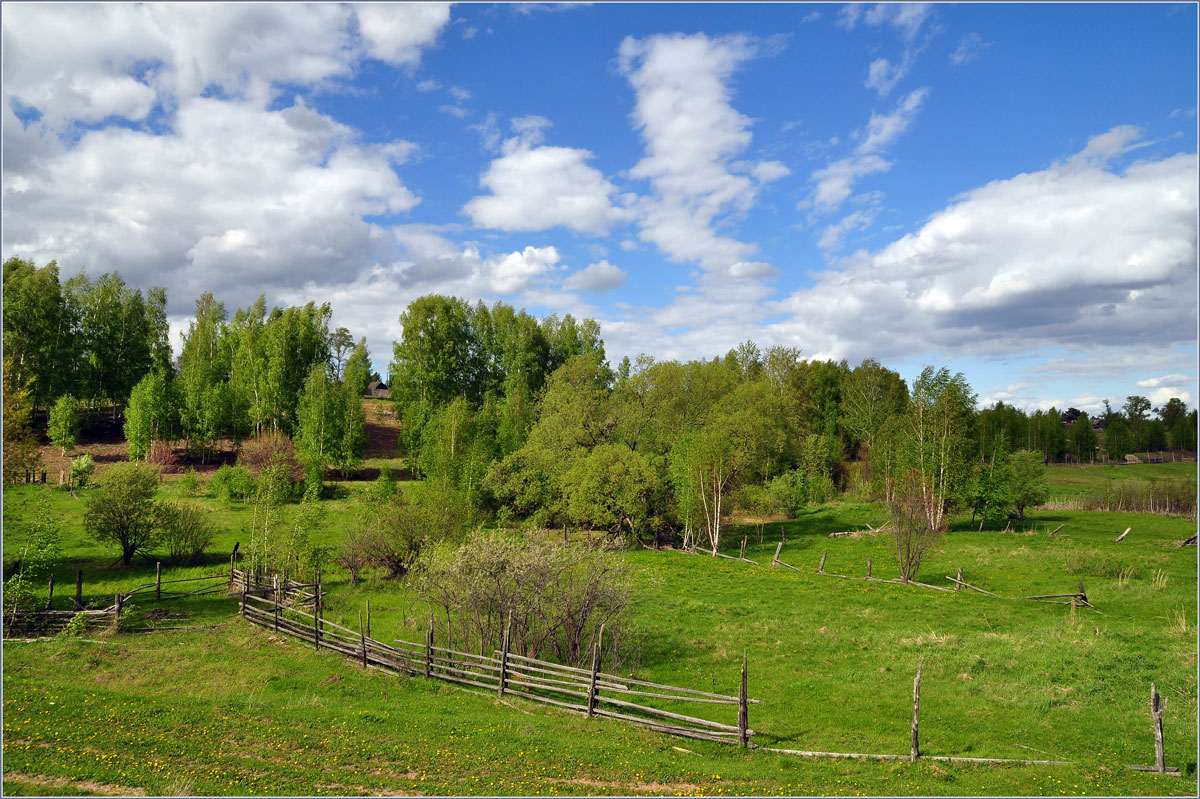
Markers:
374,384
377,388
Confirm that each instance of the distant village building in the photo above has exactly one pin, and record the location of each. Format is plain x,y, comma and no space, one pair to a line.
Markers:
377,388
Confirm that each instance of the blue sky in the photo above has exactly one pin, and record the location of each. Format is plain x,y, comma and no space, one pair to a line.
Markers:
1009,190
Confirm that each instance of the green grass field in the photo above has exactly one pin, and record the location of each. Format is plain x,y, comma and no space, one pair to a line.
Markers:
227,708
1068,481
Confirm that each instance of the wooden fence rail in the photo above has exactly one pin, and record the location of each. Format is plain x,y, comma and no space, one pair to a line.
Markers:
587,691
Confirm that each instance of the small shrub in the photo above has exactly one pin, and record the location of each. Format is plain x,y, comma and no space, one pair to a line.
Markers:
187,484
259,452
232,484
74,628
185,532
121,511
82,469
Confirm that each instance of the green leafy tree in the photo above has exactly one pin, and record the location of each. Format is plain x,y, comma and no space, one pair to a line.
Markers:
870,394
33,328
184,530
1029,484
150,414
1137,413
930,465
82,468
611,489
321,420
64,423
1118,442
340,345
20,446
1082,438
991,490
121,509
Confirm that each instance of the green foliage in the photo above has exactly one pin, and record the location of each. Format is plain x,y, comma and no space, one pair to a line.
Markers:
1029,485
300,546
1082,439
150,414
232,484
20,446
82,468
64,423
611,489
75,627
272,489
121,511
1118,441
184,530
37,559
991,492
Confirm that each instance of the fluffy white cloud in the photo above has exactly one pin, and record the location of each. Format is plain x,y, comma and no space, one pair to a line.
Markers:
599,277
88,62
693,136
1071,256
1159,396
836,181
237,198
397,32
537,188
831,236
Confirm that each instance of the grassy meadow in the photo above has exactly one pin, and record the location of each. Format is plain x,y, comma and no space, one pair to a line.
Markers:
225,708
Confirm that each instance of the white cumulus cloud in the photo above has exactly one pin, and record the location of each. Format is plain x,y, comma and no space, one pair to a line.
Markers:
599,278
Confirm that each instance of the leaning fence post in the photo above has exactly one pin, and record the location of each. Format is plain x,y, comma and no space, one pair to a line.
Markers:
743,553
1082,593
363,638
591,694
1156,709
958,585
368,618
743,706
158,581
50,592
232,567
275,593
916,705
821,568
504,656
317,627
775,560
79,589
868,568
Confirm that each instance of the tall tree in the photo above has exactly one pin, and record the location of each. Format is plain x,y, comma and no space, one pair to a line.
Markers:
64,423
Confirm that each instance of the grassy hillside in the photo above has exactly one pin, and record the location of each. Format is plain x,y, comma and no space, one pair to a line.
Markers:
230,709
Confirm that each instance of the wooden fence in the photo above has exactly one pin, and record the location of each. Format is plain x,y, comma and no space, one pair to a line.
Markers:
591,692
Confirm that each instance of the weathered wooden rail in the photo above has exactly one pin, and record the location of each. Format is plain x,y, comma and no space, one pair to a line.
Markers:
588,691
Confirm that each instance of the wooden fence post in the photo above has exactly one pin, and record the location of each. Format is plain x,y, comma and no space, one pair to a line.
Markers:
79,589
504,656
743,553
775,560
821,568
368,618
915,753
958,585
868,568
362,636
743,706
276,595
232,566
428,646
316,592
50,592
158,581
591,693
317,627
1082,593
1156,709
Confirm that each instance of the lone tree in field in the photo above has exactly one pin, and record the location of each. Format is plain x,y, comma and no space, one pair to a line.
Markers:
1029,486
121,511
930,463
64,423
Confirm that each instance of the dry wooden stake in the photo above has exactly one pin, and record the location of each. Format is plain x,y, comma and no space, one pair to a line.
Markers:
79,589
915,753
591,691
50,592
504,657
363,638
743,706
821,568
958,585
868,568
743,552
1122,535
1156,709
158,580
776,559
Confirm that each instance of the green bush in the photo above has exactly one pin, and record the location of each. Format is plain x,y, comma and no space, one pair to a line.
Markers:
232,484
187,484
185,532
82,469
74,628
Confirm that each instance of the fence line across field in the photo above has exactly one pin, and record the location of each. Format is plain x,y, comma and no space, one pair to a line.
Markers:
587,691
